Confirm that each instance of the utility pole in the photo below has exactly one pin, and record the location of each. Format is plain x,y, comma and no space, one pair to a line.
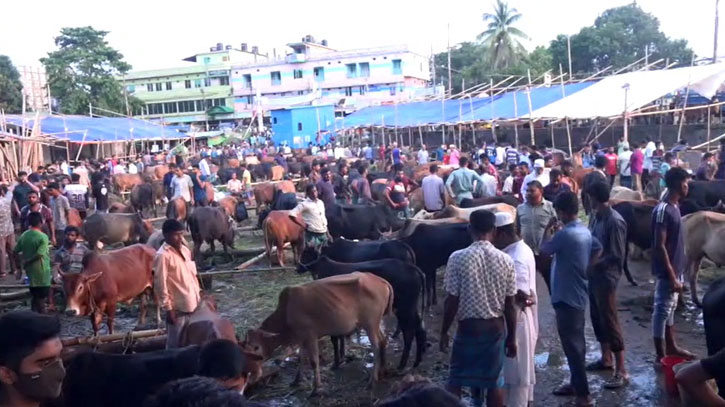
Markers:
568,52
450,81
717,23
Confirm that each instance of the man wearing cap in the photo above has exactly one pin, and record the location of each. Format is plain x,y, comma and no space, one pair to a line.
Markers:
481,284
460,182
175,281
537,174
519,374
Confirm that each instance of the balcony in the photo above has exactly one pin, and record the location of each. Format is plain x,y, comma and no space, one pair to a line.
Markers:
295,58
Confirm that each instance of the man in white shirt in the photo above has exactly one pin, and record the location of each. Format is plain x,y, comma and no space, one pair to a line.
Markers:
314,221
489,184
82,171
422,155
234,186
508,183
500,155
182,186
625,169
119,169
538,174
132,169
434,191
519,372
204,168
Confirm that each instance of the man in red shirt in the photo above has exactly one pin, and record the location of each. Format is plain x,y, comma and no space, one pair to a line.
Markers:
611,167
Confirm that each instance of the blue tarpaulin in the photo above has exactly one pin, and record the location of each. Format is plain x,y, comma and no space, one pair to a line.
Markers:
83,129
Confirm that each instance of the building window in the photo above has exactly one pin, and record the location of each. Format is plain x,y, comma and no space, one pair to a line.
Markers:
300,92
187,106
397,67
364,69
168,85
150,87
276,78
224,81
348,91
200,106
170,107
248,81
351,70
130,88
158,86
319,74
299,126
225,59
393,90
197,83
274,120
207,82
187,84
297,73
362,90
250,100
207,60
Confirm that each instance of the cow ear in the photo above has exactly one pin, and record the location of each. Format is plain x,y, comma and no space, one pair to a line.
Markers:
93,277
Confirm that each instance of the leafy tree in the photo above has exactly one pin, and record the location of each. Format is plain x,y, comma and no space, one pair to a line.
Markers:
619,37
83,71
466,61
501,38
11,89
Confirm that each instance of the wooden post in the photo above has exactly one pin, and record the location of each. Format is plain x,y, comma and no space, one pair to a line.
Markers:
516,123
709,110
566,119
493,124
420,134
531,119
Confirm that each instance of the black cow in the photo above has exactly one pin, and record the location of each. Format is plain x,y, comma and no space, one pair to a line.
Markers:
361,221
350,251
432,245
638,216
142,196
111,228
713,314
294,167
225,174
208,224
706,193
507,199
262,171
282,201
407,281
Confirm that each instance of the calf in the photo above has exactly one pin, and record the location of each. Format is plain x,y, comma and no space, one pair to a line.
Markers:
264,193
408,285
279,229
208,224
177,209
205,325
335,306
638,216
124,182
107,279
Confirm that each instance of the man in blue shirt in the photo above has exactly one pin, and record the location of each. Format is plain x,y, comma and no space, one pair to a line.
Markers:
395,154
572,246
668,263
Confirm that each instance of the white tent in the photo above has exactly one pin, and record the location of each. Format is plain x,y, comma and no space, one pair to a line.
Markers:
607,97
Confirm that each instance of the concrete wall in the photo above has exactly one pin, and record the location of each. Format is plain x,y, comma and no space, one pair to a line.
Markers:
299,126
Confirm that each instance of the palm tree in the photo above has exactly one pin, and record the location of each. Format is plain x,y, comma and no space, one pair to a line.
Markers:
502,38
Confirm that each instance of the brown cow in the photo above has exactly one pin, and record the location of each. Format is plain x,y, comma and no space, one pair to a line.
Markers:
277,173
109,278
74,218
205,325
156,172
118,207
233,163
124,182
279,229
704,235
335,306
233,207
264,192
176,209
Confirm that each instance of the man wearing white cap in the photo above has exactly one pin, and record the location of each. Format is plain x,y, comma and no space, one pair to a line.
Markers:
519,373
538,174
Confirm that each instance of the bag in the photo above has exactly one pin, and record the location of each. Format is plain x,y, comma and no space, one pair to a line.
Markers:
241,211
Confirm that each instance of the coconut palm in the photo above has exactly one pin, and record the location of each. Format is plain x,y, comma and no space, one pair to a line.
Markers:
502,38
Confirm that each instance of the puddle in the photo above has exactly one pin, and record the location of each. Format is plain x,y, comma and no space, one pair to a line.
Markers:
361,340
541,360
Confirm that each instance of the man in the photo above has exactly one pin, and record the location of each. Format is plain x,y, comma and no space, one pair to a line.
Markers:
183,187
69,258
523,171
34,206
312,211
668,263
649,151
481,283
508,183
491,152
314,176
199,186
610,229
395,154
7,229
693,378
531,219
339,183
168,177
234,186
100,193
512,156
119,168
592,178
489,185
36,175
434,191
247,183
175,281
567,176
455,158
21,191
132,168
280,160
368,154
622,145
519,372
460,182
422,155
360,187
587,156
396,195
82,172
706,170
625,167
636,165
77,195
440,152
31,368
536,175
572,246
325,189
556,186
612,168
60,207
204,168
33,244
487,163
668,162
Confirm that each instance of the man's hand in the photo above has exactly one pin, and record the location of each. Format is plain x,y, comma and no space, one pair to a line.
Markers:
511,347
443,343
676,286
52,241
171,317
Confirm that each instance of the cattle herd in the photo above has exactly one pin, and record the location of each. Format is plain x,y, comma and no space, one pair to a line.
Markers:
377,264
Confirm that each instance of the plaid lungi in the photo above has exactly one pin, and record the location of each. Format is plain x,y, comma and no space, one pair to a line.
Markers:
477,355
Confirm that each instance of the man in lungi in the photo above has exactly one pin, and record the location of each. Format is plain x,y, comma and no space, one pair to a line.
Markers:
481,284
312,211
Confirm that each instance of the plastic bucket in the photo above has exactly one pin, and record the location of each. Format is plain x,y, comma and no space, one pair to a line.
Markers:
668,364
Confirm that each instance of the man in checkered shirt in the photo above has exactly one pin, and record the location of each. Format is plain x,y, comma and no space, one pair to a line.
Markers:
481,283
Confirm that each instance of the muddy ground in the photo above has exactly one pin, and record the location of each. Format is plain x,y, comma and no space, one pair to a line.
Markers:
247,298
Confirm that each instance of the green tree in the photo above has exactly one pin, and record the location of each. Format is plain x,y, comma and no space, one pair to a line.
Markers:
501,38
466,63
83,71
11,89
619,37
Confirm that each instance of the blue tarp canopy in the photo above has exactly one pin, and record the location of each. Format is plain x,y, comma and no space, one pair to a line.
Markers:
83,129
506,106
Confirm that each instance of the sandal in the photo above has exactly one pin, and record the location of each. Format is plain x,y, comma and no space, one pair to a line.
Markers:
616,382
598,366
564,390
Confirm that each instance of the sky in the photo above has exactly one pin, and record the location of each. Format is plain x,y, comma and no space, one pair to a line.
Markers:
160,33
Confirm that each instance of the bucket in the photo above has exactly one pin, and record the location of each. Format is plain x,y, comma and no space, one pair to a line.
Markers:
668,364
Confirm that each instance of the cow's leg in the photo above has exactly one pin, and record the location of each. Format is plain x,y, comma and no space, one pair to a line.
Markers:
313,352
420,338
336,351
110,316
408,333
96,318
432,288
626,266
143,307
280,253
213,251
376,341
693,268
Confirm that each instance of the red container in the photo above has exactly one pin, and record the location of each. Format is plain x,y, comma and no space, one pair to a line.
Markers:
668,364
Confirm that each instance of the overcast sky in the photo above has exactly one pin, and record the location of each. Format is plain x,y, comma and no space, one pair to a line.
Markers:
158,34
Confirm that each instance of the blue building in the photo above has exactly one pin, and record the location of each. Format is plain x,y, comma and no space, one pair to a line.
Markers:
301,125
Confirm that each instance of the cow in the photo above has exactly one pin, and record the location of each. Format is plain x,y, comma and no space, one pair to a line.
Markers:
107,279
118,207
156,240
277,173
111,228
704,236
142,196
490,200
234,208
205,325
465,213
713,315
279,229
74,218
155,172
638,216
264,193
177,209
352,251
432,245
625,194
408,284
208,224
706,193
101,379
361,221
413,223
124,182
335,306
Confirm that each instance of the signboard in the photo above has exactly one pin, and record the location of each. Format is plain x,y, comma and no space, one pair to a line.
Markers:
218,73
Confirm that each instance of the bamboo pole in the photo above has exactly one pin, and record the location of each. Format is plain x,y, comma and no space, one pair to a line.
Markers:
493,124
531,119
420,134
566,119
112,338
516,124
708,129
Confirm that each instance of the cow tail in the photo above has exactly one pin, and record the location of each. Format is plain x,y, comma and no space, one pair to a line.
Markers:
267,244
391,295
171,210
410,251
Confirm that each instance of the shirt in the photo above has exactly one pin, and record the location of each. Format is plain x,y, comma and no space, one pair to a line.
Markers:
60,207
512,156
360,187
422,156
20,194
71,260
313,213
396,155
489,185
6,219
77,195
246,178
481,276
368,153
326,192
180,186
543,179
572,248
31,243
611,167
531,222
550,191
44,211
175,279
100,193
132,169
621,145
648,151
636,161
82,171
667,216
455,158
204,168
508,185
610,229
524,266
460,182
433,190
234,185
625,169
